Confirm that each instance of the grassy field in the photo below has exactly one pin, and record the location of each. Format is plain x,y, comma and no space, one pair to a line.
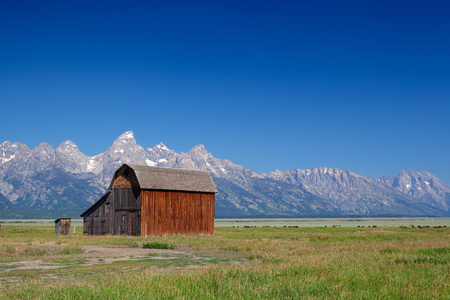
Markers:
236,263
300,222
329,222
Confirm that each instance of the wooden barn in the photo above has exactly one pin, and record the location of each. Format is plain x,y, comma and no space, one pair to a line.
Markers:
147,201
62,226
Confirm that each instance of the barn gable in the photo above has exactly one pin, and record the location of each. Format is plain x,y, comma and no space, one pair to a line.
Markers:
124,177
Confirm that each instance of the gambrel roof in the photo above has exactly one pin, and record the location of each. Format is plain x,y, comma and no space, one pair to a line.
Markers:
156,178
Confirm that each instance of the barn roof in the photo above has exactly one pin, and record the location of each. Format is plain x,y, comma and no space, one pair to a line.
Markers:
156,178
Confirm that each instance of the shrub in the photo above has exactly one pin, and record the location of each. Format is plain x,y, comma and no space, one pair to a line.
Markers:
157,245
70,250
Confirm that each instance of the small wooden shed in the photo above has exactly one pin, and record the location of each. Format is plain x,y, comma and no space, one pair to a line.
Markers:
145,200
62,226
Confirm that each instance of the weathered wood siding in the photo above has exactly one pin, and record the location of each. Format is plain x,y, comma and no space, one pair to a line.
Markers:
98,221
173,213
62,226
126,219
129,210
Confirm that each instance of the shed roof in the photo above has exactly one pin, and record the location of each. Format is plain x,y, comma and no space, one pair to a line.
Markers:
57,220
96,204
156,178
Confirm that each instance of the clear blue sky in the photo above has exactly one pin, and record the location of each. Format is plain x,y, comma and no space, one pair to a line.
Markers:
358,85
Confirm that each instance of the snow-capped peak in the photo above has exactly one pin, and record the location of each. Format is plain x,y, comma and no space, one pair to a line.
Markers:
126,135
126,139
161,146
67,147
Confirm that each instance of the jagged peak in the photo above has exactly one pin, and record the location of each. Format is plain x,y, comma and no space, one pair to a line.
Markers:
7,144
161,146
43,145
413,172
67,146
200,149
43,148
126,138
127,135
68,142
12,144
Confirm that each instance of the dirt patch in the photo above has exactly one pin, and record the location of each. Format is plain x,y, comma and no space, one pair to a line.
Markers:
123,252
28,265
97,255
184,247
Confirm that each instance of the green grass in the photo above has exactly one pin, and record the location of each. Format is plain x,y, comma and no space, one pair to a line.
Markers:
236,263
70,250
10,249
157,245
69,261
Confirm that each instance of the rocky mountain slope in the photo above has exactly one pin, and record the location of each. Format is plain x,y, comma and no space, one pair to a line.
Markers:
422,186
64,179
355,194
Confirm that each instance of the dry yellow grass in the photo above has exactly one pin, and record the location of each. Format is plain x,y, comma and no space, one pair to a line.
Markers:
254,263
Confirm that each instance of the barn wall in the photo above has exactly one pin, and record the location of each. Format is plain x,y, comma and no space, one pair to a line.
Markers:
172,213
98,220
126,219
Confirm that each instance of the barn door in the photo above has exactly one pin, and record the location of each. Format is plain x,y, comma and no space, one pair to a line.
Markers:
126,211
130,222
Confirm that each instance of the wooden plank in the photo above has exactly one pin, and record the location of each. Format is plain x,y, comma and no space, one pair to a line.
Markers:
168,213
177,213
172,213
212,200
164,213
207,218
187,214
168,196
202,214
183,207
196,213
193,197
144,214
157,213
158,204
174,203
191,212
151,211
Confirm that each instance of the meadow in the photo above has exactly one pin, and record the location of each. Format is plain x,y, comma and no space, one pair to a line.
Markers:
237,263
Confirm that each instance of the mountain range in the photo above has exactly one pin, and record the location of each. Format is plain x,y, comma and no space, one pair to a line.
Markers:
64,179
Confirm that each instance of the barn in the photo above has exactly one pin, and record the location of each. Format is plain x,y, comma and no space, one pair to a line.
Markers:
144,200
